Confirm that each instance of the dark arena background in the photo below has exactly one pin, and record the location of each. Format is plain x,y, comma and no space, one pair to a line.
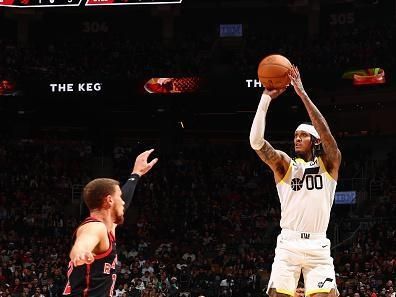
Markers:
87,85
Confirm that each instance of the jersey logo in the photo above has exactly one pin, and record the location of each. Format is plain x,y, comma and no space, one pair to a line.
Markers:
107,266
114,278
312,179
321,284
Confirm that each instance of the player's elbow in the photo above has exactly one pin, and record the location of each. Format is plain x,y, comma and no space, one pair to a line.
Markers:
256,143
339,156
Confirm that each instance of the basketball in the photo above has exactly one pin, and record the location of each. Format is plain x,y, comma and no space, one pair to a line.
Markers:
272,72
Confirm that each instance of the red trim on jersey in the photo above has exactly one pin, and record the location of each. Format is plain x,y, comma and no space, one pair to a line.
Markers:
106,253
68,288
87,279
112,236
90,220
109,234
86,220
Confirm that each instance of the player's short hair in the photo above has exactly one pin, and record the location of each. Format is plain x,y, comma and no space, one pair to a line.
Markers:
96,190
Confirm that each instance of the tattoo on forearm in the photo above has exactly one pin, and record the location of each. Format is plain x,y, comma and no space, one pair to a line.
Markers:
323,128
317,116
268,152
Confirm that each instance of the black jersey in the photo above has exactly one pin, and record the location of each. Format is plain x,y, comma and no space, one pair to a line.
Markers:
96,279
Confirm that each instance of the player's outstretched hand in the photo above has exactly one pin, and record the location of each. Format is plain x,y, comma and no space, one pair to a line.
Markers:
83,258
295,79
142,166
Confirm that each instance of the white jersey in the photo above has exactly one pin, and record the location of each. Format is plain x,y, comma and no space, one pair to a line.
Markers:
306,194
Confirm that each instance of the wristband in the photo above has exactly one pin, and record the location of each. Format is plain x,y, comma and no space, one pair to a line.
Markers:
134,176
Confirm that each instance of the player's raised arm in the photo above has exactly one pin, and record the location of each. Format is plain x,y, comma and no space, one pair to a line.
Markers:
277,160
331,154
141,167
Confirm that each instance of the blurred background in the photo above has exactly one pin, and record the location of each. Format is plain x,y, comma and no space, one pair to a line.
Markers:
80,98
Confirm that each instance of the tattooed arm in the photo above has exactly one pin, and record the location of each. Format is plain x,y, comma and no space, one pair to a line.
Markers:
277,160
331,154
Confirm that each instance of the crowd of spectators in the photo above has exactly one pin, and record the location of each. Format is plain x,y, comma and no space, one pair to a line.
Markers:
119,55
204,222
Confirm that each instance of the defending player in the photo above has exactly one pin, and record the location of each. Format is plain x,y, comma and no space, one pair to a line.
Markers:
93,257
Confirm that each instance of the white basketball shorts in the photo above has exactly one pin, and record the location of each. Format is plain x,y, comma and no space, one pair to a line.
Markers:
302,251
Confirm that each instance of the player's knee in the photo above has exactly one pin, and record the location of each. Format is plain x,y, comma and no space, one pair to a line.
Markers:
272,293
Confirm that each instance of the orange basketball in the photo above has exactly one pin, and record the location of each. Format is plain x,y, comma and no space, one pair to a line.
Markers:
272,71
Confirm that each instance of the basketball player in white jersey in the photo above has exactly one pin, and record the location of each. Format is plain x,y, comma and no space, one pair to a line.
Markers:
306,187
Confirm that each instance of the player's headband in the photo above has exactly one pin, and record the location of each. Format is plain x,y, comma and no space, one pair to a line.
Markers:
309,129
